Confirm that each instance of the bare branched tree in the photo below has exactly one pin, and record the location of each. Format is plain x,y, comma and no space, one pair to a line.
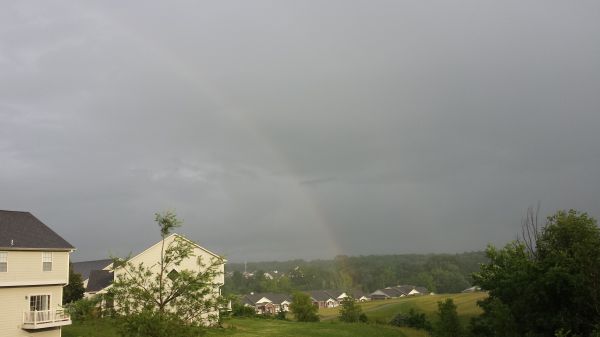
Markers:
531,230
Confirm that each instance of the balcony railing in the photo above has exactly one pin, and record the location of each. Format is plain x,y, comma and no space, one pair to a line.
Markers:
45,319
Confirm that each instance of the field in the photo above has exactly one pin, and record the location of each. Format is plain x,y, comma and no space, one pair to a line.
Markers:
384,311
377,311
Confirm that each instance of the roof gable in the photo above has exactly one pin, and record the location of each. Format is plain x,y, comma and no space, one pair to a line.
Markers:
264,297
22,230
320,295
99,279
167,240
85,267
380,293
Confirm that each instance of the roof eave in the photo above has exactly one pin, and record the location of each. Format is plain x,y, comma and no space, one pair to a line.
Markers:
71,249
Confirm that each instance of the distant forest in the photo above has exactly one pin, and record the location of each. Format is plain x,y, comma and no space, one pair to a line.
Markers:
441,273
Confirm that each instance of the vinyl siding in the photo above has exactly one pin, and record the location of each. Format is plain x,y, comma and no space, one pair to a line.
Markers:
26,266
151,256
14,303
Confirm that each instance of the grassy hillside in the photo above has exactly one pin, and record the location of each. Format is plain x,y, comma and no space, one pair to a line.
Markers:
260,327
274,328
384,311
93,328
377,311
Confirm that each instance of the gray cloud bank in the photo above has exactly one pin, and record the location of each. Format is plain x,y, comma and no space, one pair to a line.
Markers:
281,129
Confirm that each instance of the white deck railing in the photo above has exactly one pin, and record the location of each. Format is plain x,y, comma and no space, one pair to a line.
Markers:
45,318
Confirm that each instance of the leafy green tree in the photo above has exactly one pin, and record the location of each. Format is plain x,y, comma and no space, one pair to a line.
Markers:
240,310
303,308
152,324
496,320
84,309
350,311
145,293
546,283
448,324
412,319
74,290
424,279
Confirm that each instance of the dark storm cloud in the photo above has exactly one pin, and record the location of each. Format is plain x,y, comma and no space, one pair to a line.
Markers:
281,129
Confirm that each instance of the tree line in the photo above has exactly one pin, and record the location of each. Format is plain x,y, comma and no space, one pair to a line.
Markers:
440,273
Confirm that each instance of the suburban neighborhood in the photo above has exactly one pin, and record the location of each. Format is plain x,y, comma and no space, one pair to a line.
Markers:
34,268
272,303
285,168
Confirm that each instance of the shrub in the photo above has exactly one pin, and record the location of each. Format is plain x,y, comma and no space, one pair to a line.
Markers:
412,319
350,312
280,315
84,309
303,309
448,325
240,310
152,324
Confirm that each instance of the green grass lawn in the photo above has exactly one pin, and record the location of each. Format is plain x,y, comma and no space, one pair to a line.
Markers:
273,328
385,310
246,327
92,328
382,311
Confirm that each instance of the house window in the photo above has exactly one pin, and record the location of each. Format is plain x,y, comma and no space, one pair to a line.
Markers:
39,302
47,261
173,274
3,262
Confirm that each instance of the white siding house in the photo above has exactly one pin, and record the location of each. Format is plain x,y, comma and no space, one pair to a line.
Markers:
34,268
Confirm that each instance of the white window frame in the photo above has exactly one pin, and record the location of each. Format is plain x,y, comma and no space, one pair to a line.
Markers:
43,294
47,257
4,259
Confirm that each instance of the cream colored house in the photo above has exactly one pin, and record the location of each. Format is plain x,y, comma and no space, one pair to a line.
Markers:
34,268
99,281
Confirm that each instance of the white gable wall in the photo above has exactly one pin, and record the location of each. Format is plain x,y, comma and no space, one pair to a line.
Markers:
151,256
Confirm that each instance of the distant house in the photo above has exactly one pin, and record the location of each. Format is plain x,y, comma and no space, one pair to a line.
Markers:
85,268
423,291
379,294
398,291
360,296
339,295
272,303
472,289
267,303
34,268
322,299
405,290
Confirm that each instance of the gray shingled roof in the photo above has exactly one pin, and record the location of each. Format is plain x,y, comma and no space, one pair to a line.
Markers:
22,230
278,298
99,279
251,299
422,290
358,294
320,295
335,293
85,267
404,289
392,292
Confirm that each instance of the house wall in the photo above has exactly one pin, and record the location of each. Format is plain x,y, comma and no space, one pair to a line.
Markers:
25,268
15,300
151,256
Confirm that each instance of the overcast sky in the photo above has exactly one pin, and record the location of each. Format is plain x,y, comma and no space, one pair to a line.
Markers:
298,129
